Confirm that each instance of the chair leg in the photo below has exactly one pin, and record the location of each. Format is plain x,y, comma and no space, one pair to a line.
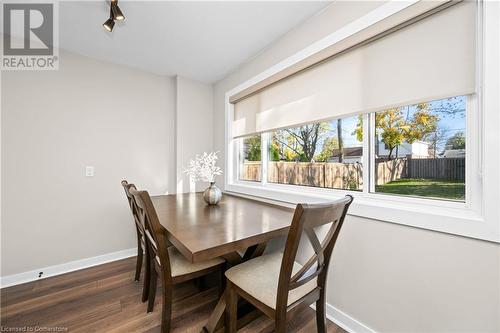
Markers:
138,264
231,308
320,312
280,321
166,311
280,326
152,289
147,277
222,281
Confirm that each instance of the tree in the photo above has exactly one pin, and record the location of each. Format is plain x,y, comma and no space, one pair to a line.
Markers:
394,127
302,141
437,139
340,141
359,129
285,153
422,123
274,151
252,145
456,141
453,107
329,145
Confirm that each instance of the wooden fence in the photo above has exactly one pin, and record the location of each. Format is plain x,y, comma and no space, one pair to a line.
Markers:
437,168
388,171
350,175
251,171
329,175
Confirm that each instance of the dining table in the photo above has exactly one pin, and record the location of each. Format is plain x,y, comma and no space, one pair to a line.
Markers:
237,229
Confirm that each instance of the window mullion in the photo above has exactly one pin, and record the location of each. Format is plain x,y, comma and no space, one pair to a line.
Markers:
238,156
264,146
366,154
373,139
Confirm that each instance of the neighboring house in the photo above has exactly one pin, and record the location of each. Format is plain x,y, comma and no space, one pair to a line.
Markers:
417,149
351,155
454,153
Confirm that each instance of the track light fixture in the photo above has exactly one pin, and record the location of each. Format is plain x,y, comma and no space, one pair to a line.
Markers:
109,24
117,13
114,14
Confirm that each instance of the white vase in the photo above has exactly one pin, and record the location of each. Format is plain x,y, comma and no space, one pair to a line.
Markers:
212,194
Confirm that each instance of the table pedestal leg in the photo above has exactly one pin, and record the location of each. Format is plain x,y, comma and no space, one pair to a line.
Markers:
216,317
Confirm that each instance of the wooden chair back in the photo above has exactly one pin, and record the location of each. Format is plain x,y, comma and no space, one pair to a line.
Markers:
133,207
305,219
155,233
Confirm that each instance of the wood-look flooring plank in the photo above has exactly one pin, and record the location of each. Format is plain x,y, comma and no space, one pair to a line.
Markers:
50,285
106,298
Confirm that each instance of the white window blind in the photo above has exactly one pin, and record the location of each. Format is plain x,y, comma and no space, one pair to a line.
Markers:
430,59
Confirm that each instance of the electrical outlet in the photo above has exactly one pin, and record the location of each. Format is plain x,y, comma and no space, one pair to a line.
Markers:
89,171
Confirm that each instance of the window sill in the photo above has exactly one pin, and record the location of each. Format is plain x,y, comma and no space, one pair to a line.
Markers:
436,215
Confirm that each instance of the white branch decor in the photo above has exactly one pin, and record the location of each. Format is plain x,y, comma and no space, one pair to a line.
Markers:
204,168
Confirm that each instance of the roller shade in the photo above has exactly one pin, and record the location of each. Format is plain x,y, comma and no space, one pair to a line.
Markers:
430,59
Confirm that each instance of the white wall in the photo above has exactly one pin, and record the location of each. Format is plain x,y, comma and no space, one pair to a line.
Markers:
391,277
417,149
395,278
194,127
54,123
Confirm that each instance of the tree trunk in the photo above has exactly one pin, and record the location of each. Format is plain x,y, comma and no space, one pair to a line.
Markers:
390,153
339,138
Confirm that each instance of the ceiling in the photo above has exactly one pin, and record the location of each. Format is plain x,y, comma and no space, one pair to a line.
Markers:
201,40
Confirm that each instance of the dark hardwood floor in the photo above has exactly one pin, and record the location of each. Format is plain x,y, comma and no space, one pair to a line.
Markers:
106,299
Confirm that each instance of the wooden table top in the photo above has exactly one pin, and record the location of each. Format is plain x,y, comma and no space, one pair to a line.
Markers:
202,232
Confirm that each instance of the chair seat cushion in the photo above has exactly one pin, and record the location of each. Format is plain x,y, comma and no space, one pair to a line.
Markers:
179,265
259,278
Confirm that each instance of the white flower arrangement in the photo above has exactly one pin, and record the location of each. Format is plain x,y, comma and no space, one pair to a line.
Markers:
203,167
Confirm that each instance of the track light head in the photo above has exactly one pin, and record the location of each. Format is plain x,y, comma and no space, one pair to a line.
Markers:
109,24
117,13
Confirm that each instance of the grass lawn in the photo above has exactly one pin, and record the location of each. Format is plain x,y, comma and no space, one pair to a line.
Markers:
437,188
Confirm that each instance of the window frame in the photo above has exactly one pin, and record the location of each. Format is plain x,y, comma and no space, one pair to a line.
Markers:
472,218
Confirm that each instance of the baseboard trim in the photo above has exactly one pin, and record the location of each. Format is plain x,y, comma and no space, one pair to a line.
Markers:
15,279
345,321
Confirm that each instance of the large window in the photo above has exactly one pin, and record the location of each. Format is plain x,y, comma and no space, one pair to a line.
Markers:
349,121
420,149
416,150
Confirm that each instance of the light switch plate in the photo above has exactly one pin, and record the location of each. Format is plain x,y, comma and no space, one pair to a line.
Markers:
89,171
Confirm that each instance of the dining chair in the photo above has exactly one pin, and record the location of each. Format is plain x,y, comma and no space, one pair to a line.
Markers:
142,249
275,283
166,262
